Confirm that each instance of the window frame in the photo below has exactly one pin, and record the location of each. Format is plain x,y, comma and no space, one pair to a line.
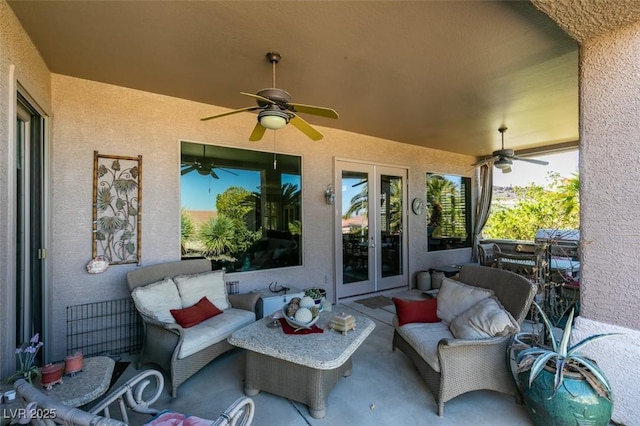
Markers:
280,243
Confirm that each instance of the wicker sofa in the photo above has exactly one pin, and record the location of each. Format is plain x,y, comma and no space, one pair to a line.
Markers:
180,351
452,366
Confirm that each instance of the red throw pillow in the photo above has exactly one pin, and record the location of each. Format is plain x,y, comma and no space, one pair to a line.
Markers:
188,317
409,311
209,309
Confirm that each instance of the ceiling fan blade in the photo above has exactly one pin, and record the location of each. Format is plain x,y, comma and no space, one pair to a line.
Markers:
305,128
258,133
261,98
506,170
315,110
532,160
213,174
251,108
187,170
485,161
229,171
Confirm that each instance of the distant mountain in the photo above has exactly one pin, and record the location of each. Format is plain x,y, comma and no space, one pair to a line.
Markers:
504,193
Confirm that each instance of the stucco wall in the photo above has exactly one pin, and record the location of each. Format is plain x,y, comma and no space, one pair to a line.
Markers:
610,224
616,356
118,121
609,175
17,51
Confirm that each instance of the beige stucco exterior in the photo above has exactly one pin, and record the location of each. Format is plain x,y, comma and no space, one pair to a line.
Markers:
610,225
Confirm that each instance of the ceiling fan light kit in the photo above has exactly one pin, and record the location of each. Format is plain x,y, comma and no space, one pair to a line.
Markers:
272,119
277,110
503,163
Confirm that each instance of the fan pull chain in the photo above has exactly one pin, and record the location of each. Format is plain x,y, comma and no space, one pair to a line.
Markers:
275,159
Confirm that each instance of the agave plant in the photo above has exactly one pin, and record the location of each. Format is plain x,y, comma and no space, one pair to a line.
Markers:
563,358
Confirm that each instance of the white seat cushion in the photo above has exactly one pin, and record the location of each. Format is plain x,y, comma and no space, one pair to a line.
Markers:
455,297
214,330
484,320
157,299
424,338
211,284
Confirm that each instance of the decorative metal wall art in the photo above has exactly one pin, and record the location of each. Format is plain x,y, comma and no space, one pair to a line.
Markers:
117,202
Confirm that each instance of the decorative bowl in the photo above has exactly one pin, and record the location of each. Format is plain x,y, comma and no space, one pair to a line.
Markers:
295,324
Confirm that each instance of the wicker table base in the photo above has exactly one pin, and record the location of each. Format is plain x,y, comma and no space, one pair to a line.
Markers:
304,368
297,382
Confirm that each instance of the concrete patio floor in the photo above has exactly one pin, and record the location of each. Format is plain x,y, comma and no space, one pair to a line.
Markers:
384,389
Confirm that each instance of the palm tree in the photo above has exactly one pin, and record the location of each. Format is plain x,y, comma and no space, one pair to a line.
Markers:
570,190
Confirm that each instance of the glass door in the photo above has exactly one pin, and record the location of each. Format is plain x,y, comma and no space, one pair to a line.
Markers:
29,250
370,212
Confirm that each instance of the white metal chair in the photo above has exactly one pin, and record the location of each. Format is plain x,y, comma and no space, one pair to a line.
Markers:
129,397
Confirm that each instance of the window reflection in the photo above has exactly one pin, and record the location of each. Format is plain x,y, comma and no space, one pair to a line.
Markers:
448,218
240,208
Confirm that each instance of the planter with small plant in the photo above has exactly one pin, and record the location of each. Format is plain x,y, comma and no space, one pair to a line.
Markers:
317,294
559,385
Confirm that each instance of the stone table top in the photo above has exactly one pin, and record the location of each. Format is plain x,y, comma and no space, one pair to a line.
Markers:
84,386
323,351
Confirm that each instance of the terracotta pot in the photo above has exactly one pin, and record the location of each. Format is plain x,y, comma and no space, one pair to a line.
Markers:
51,374
73,363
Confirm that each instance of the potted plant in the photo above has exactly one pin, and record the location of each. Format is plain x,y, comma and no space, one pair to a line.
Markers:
559,386
317,294
26,353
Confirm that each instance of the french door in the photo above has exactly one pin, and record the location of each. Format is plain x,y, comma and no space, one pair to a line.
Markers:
370,218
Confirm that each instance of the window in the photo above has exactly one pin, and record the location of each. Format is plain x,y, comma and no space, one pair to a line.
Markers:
448,216
240,208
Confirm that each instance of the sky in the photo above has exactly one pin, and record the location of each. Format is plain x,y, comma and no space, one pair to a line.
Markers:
198,192
523,173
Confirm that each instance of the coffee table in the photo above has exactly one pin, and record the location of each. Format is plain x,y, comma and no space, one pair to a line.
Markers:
304,368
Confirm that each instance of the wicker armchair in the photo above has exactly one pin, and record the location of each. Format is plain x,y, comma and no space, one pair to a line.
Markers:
132,396
467,365
162,341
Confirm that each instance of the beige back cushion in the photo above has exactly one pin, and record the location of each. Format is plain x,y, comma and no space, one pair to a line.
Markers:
485,319
211,284
157,299
455,297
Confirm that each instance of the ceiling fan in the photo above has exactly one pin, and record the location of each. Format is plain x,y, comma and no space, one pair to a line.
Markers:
277,110
203,165
503,158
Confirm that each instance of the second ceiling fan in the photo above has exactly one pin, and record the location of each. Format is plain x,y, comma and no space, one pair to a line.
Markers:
277,110
503,158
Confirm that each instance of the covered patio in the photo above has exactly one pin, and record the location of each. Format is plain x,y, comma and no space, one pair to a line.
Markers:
89,96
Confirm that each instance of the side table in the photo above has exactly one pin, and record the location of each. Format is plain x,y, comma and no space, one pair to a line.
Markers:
80,389
85,386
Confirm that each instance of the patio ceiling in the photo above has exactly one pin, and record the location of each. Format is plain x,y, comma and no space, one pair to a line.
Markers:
440,74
